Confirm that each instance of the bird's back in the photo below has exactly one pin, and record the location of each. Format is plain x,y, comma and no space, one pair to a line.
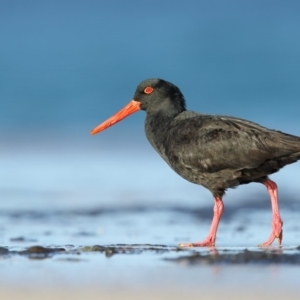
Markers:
219,152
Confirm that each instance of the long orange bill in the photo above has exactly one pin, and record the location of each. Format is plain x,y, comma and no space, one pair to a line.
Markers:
129,109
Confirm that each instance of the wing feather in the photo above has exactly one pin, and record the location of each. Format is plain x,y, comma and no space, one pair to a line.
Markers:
214,143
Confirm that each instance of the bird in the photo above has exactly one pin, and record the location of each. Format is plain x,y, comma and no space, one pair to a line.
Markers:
217,152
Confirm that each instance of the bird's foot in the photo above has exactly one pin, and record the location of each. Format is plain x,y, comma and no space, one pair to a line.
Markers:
208,242
276,233
211,237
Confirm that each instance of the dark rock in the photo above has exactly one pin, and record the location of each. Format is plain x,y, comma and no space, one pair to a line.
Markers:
3,251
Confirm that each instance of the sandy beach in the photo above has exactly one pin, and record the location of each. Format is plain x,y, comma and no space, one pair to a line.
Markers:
168,294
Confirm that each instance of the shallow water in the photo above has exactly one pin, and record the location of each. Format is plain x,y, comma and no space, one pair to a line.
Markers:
98,247
104,221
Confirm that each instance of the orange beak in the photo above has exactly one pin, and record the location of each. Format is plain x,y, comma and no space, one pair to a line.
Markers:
129,109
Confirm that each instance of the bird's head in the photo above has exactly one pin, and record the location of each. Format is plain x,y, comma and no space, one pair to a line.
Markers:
151,95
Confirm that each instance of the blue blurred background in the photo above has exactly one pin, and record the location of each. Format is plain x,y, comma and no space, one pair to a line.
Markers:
65,66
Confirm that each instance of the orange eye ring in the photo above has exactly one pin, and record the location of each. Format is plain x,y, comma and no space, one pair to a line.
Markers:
148,90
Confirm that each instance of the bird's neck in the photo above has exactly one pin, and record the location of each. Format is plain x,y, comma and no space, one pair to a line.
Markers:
157,125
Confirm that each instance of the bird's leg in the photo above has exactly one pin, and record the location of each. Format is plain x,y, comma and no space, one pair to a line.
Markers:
276,219
211,237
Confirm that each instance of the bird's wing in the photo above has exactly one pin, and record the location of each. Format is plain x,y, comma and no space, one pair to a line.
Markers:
214,143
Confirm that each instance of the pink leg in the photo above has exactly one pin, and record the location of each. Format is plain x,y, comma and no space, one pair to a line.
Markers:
211,237
276,219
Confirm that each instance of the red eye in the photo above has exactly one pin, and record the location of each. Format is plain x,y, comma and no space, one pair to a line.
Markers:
148,90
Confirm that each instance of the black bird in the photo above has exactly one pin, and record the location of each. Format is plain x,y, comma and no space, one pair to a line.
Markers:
215,151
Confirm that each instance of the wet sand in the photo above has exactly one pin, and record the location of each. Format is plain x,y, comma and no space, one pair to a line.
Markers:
36,264
168,294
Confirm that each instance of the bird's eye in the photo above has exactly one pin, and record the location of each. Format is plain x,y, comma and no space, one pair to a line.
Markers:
148,90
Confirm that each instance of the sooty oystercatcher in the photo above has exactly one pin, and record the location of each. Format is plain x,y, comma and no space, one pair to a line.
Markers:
215,151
